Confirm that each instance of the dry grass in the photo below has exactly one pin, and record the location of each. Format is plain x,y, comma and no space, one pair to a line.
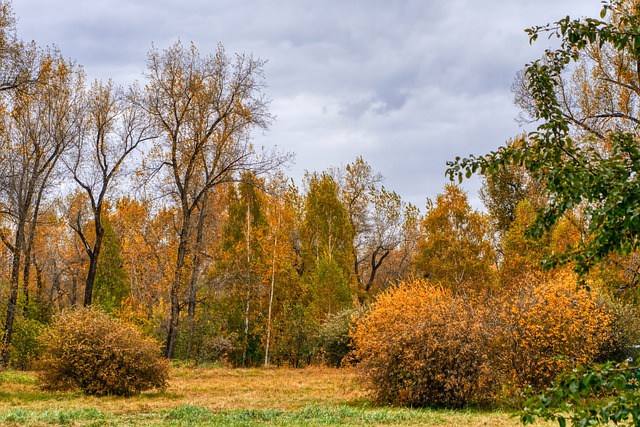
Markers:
220,396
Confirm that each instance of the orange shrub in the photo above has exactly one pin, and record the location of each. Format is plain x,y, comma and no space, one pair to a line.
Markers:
548,328
89,350
419,346
422,345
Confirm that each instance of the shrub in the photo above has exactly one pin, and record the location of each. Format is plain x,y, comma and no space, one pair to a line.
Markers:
549,328
419,346
333,337
422,345
25,349
100,355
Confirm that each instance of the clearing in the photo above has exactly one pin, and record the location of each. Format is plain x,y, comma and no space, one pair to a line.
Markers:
227,397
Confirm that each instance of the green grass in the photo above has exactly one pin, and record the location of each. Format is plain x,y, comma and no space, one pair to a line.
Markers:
228,397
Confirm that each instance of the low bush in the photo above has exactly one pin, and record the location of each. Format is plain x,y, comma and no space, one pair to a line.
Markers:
25,348
419,346
422,345
87,349
333,338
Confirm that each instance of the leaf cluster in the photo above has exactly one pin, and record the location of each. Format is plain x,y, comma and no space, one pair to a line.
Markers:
580,396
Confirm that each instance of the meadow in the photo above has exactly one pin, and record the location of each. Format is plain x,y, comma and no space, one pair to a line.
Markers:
215,396
228,397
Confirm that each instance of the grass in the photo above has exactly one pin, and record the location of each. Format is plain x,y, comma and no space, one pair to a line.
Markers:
227,397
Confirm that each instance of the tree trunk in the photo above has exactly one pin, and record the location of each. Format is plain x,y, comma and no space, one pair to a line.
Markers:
13,293
174,296
195,275
271,292
94,257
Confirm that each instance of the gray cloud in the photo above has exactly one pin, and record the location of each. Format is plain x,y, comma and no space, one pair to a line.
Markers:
407,84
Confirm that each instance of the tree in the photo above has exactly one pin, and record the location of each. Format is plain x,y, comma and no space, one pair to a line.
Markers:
327,237
455,249
375,214
111,282
42,122
205,109
113,129
586,149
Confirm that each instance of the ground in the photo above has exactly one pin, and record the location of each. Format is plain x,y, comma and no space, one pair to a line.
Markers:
198,396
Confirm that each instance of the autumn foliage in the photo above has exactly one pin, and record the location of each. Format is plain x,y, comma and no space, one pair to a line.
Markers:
87,349
424,345
547,328
419,346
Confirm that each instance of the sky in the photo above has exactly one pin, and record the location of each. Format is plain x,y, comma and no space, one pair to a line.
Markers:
406,84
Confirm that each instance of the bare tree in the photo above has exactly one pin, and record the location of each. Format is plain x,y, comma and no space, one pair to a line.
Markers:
42,121
114,127
205,108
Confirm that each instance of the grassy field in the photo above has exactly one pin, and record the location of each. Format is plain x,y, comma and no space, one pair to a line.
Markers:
227,397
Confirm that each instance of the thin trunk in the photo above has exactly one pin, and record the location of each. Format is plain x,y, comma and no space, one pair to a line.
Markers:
26,274
271,292
13,293
248,302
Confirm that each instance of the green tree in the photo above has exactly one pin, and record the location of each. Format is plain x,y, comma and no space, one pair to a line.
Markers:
327,237
111,286
586,153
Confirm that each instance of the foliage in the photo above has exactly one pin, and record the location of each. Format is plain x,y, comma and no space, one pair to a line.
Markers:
589,395
424,345
111,287
25,348
89,350
455,249
586,153
546,328
418,346
333,337
327,238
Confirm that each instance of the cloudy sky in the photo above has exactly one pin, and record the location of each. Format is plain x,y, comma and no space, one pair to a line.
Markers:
407,84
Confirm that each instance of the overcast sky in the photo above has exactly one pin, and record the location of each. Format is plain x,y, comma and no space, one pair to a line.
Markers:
406,84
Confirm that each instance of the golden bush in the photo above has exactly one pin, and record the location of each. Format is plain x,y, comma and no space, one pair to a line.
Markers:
423,345
419,346
87,349
547,328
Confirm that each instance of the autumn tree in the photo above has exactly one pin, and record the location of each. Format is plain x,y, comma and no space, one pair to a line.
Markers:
455,249
327,238
113,127
243,260
205,109
41,123
375,215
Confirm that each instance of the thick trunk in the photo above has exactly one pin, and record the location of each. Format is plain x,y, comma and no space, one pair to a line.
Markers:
94,257
195,275
174,296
